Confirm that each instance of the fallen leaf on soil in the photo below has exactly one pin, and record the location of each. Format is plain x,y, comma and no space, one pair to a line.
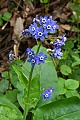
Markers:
66,27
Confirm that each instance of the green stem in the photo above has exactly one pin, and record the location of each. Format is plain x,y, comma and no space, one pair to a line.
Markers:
26,109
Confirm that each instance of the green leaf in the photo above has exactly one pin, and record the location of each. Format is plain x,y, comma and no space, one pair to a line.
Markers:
75,63
76,58
71,84
35,90
20,95
0,15
69,45
63,109
8,111
12,95
3,86
14,78
61,82
6,16
5,75
22,78
34,93
75,74
71,93
65,70
1,21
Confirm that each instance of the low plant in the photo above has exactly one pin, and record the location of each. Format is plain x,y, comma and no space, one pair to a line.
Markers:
36,86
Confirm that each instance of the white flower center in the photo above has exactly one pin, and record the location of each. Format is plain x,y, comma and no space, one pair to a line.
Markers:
59,53
44,20
33,28
41,58
30,53
49,27
40,33
33,61
46,95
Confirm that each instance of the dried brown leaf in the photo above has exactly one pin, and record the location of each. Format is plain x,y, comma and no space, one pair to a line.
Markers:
66,27
13,19
18,27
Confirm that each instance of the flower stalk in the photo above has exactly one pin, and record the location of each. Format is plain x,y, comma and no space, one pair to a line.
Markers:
26,109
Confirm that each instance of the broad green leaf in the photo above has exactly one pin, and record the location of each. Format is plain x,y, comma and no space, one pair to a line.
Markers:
23,79
14,78
63,109
61,82
5,75
62,91
12,95
13,75
3,85
20,95
65,70
6,16
71,93
8,111
71,84
35,90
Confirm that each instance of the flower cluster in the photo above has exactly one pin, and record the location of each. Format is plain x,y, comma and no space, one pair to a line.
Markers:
47,93
35,59
56,52
40,28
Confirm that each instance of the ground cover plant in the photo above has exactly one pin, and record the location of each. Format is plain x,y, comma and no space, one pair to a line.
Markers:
45,84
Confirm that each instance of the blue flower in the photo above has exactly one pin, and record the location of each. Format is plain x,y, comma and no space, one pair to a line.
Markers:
11,56
32,60
55,26
40,34
25,32
36,19
48,27
57,53
58,43
64,38
51,89
43,20
41,58
32,28
47,93
29,52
